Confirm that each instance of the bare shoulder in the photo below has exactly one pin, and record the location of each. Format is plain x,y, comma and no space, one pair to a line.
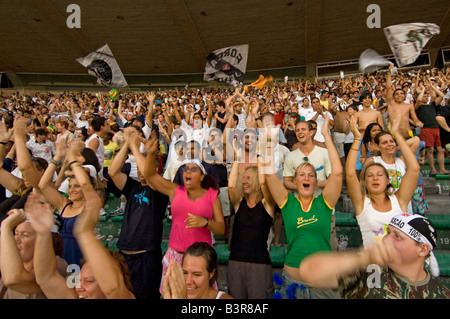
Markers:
225,296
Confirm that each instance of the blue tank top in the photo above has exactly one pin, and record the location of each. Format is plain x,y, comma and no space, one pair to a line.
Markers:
72,252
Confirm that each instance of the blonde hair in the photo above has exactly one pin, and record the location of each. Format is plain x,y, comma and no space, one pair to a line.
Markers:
255,182
362,180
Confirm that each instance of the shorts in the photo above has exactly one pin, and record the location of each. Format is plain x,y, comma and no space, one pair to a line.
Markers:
339,140
250,280
145,270
295,289
168,256
431,136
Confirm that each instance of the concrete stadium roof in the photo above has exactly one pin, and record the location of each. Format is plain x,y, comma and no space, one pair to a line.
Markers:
166,40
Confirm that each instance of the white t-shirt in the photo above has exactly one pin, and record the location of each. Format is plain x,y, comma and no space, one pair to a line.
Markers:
100,151
396,172
172,168
318,157
372,222
199,135
320,120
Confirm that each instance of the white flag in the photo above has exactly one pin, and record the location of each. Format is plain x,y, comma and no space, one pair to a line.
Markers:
371,61
227,65
407,40
102,64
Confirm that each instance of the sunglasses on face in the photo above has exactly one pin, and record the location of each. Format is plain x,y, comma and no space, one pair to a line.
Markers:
192,169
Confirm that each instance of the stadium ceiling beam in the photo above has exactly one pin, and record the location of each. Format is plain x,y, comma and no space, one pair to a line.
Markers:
312,30
6,68
15,80
60,21
184,19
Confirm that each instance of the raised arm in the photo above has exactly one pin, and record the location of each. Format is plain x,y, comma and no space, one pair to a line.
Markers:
439,96
7,180
230,110
267,195
149,116
115,169
175,111
161,184
210,111
48,278
233,178
352,181
244,99
134,142
389,95
15,274
332,190
409,180
419,98
120,110
324,269
23,155
48,189
104,267
266,166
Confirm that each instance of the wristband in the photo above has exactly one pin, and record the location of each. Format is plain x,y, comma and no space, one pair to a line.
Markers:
207,223
56,163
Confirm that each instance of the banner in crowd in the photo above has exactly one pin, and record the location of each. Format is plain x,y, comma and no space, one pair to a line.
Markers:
407,40
371,61
102,64
227,65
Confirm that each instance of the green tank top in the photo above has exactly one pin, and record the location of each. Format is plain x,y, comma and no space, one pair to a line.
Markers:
307,230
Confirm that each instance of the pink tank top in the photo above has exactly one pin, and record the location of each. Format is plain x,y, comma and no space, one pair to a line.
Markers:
181,237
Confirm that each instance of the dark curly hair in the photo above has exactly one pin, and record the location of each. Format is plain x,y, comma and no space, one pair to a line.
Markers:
366,137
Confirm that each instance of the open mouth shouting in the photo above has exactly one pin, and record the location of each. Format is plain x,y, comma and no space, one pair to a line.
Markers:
306,186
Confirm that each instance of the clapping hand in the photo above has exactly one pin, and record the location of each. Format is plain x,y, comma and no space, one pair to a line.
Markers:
174,283
39,214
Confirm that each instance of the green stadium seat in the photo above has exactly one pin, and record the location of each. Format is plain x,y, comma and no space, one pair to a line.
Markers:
222,254
443,259
277,255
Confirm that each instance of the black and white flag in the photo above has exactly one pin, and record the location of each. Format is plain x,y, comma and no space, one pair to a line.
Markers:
102,64
227,65
407,40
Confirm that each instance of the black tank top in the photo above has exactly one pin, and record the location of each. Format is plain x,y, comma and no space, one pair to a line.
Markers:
250,233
